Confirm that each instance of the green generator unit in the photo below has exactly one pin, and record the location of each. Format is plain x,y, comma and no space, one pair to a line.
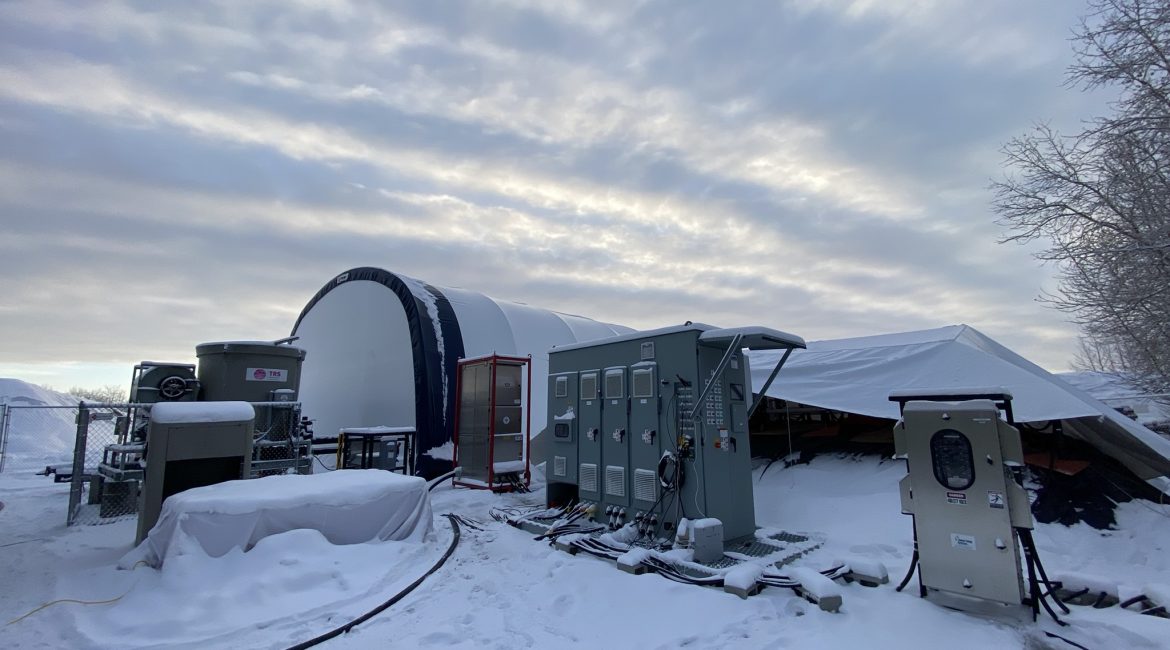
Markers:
652,427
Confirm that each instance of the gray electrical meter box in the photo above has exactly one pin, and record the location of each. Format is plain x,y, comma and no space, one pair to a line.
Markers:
651,427
192,444
966,503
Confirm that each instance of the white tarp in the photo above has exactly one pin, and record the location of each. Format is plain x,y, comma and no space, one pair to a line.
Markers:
346,506
857,375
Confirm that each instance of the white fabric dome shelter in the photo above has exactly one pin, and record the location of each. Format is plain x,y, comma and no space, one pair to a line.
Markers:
383,348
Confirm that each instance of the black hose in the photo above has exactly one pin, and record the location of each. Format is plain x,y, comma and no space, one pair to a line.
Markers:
1026,535
1038,598
434,483
910,573
1100,602
1072,643
1078,593
1132,601
338,631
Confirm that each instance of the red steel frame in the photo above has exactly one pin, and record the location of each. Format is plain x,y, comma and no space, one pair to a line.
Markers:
493,359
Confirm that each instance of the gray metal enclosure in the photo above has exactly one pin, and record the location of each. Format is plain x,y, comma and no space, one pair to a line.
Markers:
627,436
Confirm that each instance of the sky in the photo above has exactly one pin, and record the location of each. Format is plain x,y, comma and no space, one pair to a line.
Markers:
174,173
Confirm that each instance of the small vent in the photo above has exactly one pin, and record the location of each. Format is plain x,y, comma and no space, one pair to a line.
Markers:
589,386
643,383
615,384
644,480
588,479
615,480
558,465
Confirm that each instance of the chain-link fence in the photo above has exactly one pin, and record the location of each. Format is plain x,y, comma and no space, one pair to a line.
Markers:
99,449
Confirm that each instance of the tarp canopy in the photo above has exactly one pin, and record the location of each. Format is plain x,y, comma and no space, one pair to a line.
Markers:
857,375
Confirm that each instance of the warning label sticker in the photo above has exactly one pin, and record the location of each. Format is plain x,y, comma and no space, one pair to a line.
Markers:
957,498
265,374
995,499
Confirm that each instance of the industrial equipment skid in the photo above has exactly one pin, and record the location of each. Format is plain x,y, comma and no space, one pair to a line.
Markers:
746,566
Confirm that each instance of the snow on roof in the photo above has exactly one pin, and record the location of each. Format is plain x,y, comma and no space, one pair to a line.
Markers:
857,375
755,337
634,335
183,412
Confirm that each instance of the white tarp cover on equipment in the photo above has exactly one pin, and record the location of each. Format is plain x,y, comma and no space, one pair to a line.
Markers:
857,375
346,506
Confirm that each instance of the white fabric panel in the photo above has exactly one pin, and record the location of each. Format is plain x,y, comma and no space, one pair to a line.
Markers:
484,327
359,366
534,332
857,375
346,506
585,329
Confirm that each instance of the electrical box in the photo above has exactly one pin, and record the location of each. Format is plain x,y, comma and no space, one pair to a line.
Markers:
493,422
192,444
966,502
651,427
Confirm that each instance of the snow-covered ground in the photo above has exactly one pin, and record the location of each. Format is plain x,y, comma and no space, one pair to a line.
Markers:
501,589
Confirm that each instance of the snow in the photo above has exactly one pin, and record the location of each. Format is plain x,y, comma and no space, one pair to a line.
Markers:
37,437
184,412
867,567
503,589
423,293
445,451
814,583
345,506
505,466
754,337
743,576
377,430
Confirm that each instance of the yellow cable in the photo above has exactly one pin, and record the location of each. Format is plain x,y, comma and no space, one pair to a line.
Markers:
67,600
79,602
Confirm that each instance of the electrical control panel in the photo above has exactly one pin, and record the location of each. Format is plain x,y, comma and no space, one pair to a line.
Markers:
651,427
966,502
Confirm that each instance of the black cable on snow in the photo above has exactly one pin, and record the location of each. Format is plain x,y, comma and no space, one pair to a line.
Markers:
338,631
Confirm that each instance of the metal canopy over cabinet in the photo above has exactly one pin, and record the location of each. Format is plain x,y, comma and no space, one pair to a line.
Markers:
652,426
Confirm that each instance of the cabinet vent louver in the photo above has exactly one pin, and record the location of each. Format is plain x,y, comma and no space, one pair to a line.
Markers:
588,477
645,481
615,480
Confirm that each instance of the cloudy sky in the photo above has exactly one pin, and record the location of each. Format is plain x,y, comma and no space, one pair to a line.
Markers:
171,176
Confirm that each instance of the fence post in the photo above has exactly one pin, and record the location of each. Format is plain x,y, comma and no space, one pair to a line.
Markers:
4,418
77,480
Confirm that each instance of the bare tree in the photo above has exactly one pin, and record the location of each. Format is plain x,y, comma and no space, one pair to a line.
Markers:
108,394
1101,197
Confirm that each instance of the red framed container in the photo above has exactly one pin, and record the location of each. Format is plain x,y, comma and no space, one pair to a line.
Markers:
493,422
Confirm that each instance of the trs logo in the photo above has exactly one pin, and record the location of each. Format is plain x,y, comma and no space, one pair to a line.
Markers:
260,374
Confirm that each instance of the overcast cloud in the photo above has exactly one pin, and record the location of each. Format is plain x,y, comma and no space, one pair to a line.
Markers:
192,173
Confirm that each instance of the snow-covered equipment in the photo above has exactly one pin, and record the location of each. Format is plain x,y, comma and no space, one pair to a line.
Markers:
383,350
493,423
971,515
192,444
652,427
346,507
